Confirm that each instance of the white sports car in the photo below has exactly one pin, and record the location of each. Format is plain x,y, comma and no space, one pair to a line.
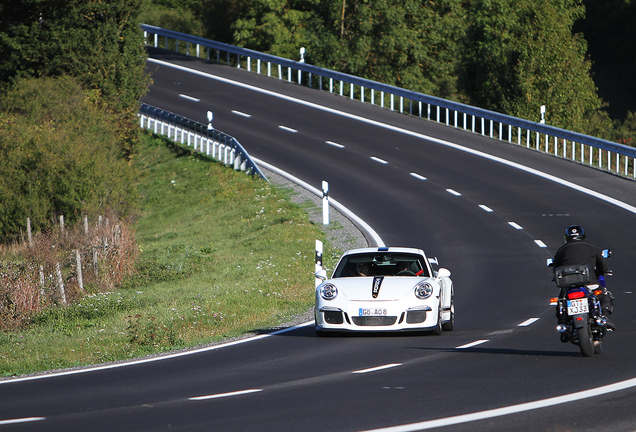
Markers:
386,289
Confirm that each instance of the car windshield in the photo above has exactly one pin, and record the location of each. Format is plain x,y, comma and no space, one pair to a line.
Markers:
381,264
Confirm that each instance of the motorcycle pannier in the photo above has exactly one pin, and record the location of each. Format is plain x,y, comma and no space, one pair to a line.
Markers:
572,275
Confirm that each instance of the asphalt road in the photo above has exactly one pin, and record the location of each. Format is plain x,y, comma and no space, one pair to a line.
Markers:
490,211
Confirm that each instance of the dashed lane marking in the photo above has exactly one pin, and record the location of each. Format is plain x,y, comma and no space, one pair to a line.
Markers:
190,98
472,344
528,322
223,395
377,368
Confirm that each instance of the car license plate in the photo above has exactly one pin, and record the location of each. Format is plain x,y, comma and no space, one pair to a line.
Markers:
578,306
372,312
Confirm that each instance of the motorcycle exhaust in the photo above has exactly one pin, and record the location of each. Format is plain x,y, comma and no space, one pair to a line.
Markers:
561,328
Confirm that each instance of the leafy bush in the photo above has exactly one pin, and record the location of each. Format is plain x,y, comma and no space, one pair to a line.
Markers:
60,156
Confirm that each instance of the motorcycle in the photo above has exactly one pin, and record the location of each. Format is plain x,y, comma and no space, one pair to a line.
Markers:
581,317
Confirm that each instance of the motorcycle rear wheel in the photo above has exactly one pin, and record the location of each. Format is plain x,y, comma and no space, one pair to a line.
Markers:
586,343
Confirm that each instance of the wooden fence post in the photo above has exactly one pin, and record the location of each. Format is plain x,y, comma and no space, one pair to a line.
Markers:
41,281
29,232
78,266
60,283
95,266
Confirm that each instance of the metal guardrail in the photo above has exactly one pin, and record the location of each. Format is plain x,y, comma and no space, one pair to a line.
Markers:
211,142
602,154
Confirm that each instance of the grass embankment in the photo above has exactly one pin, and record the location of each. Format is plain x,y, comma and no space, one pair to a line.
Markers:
222,254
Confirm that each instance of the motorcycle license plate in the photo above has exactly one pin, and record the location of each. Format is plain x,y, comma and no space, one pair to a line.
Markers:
578,306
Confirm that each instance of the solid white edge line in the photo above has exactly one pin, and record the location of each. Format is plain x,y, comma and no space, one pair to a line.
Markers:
335,144
417,176
513,409
540,244
478,153
222,395
485,208
21,420
242,114
377,368
472,344
515,225
377,159
156,358
376,238
190,98
528,322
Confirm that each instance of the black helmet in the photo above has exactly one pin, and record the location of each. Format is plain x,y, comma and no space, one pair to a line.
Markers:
574,232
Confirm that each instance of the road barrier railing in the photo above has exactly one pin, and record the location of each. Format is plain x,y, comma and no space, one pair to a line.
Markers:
211,142
584,149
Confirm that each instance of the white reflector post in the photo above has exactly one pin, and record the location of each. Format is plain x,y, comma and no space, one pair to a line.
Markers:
318,261
325,203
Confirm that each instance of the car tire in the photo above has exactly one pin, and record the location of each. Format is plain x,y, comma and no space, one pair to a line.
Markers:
438,329
450,325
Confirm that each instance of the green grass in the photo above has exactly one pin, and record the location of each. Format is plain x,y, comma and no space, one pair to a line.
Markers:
222,254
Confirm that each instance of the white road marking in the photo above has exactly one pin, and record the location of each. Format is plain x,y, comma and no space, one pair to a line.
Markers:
190,98
21,420
417,176
331,143
515,225
540,244
374,369
382,161
472,344
453,192
242,114
288,129
485,208
528,322
222,395
513,409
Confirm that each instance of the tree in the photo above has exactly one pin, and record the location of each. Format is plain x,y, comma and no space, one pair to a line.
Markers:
60,156
407,43
276,27
610,29
95,41
520,55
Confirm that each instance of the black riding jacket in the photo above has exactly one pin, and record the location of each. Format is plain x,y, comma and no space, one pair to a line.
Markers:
581,252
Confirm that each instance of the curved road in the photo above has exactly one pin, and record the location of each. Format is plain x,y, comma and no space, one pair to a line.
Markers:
491,212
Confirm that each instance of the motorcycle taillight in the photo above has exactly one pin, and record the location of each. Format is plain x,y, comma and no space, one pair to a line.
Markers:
575,295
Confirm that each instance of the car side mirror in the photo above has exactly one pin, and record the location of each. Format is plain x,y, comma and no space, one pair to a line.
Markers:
443,273
321,274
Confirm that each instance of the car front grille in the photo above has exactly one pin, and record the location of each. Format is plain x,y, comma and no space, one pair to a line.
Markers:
415,317
374,320
333,317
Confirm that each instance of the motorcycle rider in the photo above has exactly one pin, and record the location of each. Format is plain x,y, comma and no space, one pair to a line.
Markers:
577,250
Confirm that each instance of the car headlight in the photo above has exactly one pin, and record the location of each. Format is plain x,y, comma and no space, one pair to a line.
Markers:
328,291
423,290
